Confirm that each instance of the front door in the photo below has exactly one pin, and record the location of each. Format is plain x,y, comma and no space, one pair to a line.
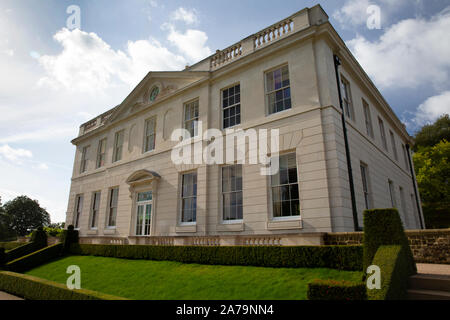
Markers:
144,213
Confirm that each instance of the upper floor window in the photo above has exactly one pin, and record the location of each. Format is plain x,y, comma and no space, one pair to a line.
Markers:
278,90
112,207
365,184
394,145
392,194
382,133
232,192
94,209
101,153
368,119
284,185
191,118
189,198
405,157
84,159
347,98
118,146
150,135
231,104
78,210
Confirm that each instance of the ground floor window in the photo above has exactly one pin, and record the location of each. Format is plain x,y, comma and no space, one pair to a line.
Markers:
144,213
78,210
189,198
112,207
284,187
232,193
94,209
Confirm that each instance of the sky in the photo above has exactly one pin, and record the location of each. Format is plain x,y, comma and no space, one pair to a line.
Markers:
54,77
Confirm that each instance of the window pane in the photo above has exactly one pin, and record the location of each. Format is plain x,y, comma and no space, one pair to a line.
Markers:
285,192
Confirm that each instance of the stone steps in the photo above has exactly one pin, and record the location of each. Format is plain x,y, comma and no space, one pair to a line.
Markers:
429,287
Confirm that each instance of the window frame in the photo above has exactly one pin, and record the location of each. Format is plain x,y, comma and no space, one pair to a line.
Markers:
146,135
267,93
84,159
405,156
394,145
392,193
116,147
182,197
95,210
368,118
109,207
78,210
382,133
271,199
235,105
101,155
347,99
366,185
144,225
194,119
222,194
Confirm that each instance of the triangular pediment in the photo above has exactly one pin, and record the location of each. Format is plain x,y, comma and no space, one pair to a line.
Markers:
156,86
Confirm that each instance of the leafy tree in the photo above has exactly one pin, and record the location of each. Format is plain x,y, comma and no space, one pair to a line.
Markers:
432,134
25,214
433,175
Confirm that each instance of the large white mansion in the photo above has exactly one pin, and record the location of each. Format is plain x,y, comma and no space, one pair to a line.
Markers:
341,148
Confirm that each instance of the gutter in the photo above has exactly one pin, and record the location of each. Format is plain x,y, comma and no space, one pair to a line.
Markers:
337,63
416,192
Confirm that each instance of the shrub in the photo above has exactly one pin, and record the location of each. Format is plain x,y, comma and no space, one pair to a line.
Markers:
395,272
10,245
33,288
35,259
336,290
21,251
384,227
39,237
2,256
69,237
334,257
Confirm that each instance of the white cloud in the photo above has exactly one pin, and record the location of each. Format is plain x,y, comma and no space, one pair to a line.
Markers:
187,16
410,53
14,155
433,108
192,43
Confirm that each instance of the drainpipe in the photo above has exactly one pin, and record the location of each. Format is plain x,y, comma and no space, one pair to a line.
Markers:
337,63
416,193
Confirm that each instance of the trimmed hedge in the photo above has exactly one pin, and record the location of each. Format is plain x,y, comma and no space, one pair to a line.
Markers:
35,259
11,245
383,227
395,272
334,257
22,251
336,290
33,288
2,257
68,237
39,237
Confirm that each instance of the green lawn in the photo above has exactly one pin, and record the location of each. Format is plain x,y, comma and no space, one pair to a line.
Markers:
154,280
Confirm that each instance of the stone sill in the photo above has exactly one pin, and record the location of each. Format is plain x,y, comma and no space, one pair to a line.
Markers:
284,225
231,227
186,229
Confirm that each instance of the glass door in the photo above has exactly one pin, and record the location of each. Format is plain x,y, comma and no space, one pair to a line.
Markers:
144,213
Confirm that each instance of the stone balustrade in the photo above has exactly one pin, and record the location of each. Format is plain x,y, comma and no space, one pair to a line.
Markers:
273,33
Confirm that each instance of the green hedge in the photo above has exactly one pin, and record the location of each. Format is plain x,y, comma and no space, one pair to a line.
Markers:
334,257
336,290
35,259
395,272
383,227
68,237
22,251
11,245
33,288
2,257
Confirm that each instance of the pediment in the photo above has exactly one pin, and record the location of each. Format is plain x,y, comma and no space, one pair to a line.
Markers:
142,176
156,86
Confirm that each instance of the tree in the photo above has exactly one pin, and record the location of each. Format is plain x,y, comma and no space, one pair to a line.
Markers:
433,175
432,134
25,214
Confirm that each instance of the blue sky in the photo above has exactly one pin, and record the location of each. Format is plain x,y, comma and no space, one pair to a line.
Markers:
53,79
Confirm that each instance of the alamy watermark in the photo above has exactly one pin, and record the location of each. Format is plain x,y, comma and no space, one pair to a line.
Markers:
374,19
74,20
74,280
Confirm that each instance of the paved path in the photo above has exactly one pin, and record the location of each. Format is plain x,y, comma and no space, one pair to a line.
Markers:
7,296
437,269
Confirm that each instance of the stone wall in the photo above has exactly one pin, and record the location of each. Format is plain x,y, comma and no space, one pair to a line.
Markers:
428,246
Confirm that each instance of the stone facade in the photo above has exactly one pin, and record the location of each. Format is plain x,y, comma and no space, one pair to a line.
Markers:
428,246
311,129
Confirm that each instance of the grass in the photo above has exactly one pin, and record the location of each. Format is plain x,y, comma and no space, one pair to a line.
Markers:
163,280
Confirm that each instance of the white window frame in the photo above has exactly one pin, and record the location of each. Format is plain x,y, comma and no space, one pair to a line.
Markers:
235,105
110,207
286,218
347,98
101,155
146,148
84,159
368,118
392,194
222,194
78,210
118,149
394,145
194,119
382,133
366,185
95,210
181,198
268,93
144,204
405,156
